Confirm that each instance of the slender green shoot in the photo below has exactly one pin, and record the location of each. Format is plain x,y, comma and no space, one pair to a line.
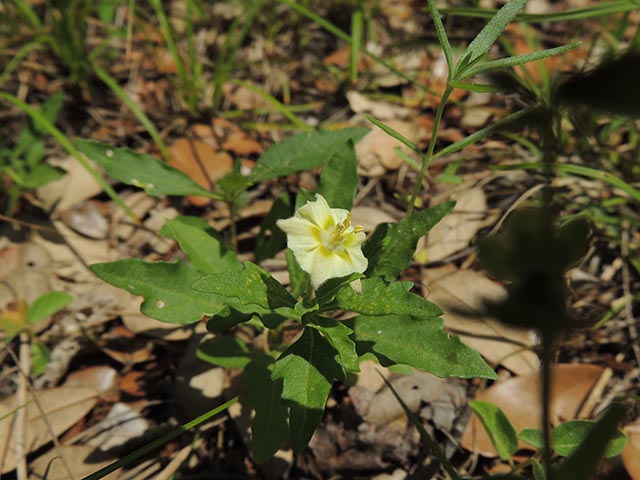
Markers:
135,108
150,447
582,171
356,44
277,104
49,128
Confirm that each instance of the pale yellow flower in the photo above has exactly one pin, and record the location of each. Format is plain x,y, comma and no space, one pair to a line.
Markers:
324,242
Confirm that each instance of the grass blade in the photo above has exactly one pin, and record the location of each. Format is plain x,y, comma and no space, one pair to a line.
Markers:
135,108
142,451
583,171
49,128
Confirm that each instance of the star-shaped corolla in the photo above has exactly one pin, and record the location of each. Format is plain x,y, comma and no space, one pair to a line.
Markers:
324,242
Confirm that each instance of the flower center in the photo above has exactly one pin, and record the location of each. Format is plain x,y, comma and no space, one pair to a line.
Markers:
335,236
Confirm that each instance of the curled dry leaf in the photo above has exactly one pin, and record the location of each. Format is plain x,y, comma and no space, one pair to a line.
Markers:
101,378
519,399
62,407
631,452
457,291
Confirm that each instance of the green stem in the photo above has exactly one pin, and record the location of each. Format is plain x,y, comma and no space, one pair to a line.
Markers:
141,452
427,159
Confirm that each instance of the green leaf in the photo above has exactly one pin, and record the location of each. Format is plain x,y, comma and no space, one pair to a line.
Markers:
307,368
270,429
498,426
46,305
532,436
202,244
516,60
166,288
505,123
339,177
227,318
419,342
391,247
303,152
538,470
299,279
225,351
41,174
40,358
442,35
251,290
141,170
338,335
327,292
379,297
271,239
567,436
489,34
584,460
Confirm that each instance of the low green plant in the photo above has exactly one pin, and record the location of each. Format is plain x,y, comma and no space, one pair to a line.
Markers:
23,165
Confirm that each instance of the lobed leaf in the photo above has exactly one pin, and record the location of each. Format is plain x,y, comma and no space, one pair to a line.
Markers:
379,297
338,335
339,178
391,247
303,152
251,290
201,243
166,288
307,369
270,429
419,342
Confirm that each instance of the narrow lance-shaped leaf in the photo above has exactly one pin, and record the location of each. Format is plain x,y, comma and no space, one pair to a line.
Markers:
516,60
141,170
166,288
489,34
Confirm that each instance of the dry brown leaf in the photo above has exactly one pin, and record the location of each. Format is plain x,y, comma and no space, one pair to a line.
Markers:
383,111
101,378
631,452
519,399
62,406
201,162
82,460
455,231
87,218
234,138
454,290
122,424
378,148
